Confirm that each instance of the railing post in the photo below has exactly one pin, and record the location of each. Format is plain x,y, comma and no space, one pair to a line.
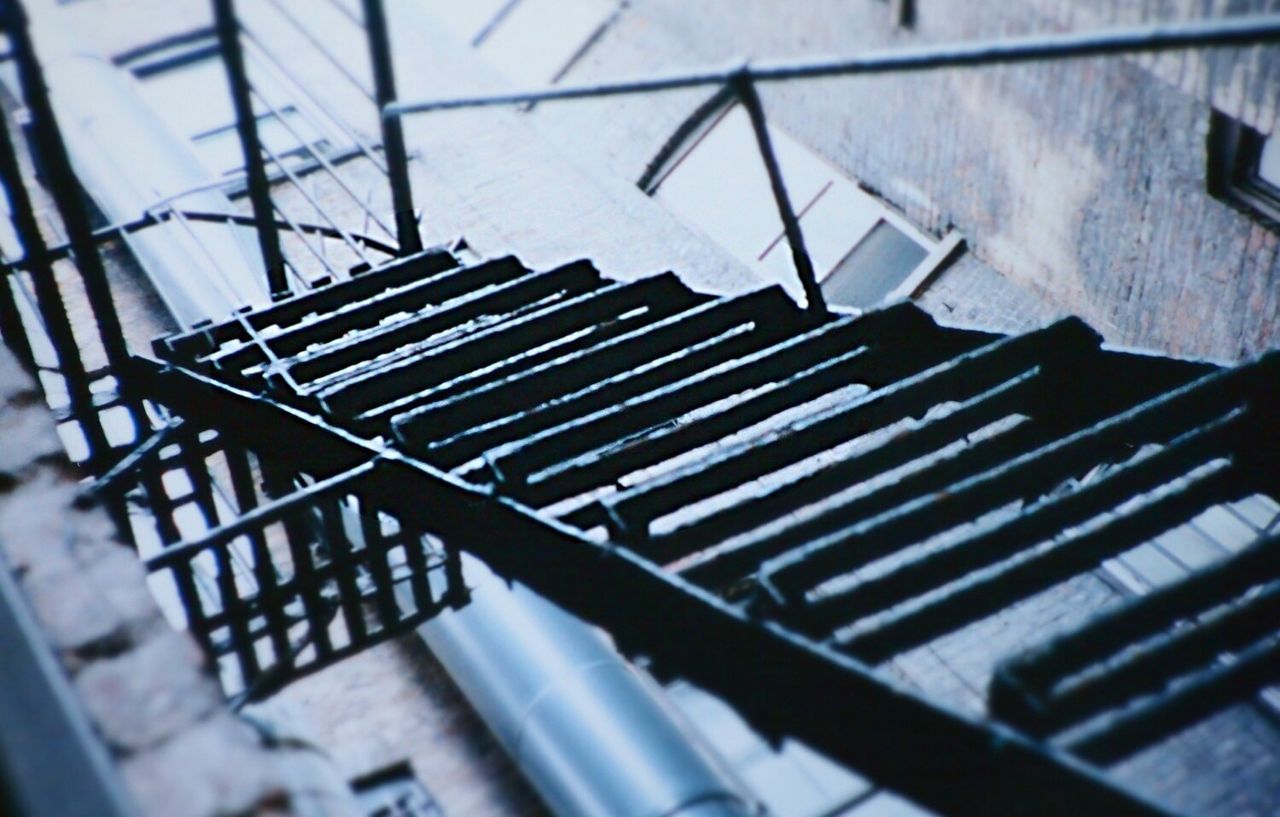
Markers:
384,83
49,304
65,187
228,28
11,328
745,90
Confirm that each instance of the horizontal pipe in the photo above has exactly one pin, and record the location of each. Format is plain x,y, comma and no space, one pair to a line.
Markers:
1235,31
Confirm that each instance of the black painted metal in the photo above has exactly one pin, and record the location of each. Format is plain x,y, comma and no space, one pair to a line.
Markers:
720,469
633,419
1182,633
277,585
745,90
12,331
950,763
49,302
64,186
384,84
228,30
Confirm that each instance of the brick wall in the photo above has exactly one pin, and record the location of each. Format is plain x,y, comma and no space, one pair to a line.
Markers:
1083,182
145,687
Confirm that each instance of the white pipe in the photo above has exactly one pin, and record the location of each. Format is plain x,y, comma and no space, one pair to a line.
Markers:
129,161
591,734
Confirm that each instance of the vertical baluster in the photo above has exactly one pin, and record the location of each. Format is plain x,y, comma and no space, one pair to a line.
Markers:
377,550
228,29
392,128
270,603
49,303
343,564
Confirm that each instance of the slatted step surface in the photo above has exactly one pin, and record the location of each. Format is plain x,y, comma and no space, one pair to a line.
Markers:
870,483
1154,665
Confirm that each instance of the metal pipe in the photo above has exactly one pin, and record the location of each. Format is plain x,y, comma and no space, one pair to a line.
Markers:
247,127
745,90
384,82
129,162
1234,31
585,727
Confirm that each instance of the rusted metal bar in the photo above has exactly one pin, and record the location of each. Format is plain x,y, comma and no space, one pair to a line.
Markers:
745,90
228,29
384,82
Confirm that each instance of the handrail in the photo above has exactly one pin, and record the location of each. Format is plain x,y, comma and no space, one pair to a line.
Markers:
740,80
1237,31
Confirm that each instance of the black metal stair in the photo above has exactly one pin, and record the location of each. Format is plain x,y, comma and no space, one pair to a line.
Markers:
856,486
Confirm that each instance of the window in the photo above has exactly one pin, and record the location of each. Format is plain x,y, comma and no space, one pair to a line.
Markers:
395,792
175,72
863,252
531,41
1244,168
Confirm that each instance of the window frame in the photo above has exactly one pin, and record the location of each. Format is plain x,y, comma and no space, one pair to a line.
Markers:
1234,152
695,130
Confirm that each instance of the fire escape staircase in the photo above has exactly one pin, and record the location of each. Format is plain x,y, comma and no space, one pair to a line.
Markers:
772,503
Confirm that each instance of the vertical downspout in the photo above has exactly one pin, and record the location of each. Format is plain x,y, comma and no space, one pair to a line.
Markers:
590,733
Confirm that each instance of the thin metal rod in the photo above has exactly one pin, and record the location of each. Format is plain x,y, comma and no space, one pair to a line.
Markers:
392,129
329,56
247,127
1234,31
65,189
12,329
123,229
745,90
293,178
48,298
319,156
258,517
363,146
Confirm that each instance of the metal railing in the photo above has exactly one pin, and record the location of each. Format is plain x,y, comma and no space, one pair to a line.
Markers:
741,81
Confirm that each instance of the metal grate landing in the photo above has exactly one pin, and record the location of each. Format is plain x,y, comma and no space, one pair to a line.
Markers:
774,503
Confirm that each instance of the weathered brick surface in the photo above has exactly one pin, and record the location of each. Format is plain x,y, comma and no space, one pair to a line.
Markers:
238,783
146,689
150,693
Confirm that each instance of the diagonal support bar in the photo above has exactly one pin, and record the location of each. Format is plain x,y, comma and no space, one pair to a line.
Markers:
946,761
745,90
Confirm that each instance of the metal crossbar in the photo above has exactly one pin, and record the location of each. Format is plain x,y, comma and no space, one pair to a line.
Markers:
1244,30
